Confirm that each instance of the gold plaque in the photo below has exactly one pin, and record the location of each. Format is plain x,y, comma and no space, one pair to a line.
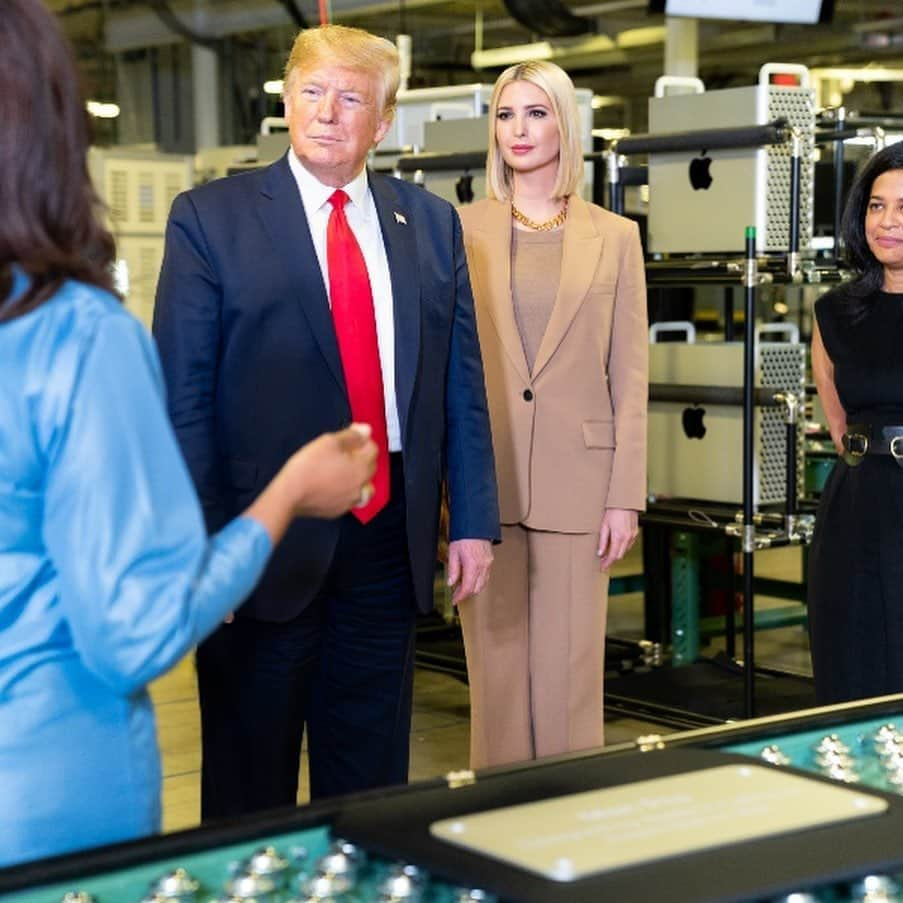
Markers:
571,837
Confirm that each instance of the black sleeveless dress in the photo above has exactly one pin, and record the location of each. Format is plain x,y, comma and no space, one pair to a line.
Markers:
855,577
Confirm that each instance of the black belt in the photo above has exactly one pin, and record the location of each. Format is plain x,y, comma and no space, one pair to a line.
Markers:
863,439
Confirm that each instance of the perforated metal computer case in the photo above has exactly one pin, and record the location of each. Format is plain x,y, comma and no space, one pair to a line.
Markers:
749,187
709,467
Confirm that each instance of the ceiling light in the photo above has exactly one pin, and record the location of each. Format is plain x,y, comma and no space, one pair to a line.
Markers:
102,110
572,53
861,74
274,86
606,100
610,134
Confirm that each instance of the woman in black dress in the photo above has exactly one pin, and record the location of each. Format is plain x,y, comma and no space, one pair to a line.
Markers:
856,562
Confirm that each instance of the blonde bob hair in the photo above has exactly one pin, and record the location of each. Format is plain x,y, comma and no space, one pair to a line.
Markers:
352,48
559,88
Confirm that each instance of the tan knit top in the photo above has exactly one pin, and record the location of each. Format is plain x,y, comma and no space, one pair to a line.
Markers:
535,274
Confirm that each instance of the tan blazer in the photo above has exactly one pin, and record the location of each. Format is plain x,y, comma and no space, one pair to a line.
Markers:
570,438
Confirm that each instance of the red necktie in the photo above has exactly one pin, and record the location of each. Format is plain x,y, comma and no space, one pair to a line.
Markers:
355,329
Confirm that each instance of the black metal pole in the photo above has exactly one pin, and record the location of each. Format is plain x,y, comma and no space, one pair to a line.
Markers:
748,534
776,132
791,507
764,396
615,188
838,182
791,473
791,418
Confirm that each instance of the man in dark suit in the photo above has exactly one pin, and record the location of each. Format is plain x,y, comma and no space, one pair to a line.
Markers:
286,308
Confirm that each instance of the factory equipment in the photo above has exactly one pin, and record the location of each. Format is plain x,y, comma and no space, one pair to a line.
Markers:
417,107
695,450
802,807
701,198
138,187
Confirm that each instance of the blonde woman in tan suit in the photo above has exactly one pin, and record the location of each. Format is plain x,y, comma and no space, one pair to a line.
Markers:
561,310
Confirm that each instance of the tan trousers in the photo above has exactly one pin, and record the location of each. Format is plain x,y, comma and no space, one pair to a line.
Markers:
535,644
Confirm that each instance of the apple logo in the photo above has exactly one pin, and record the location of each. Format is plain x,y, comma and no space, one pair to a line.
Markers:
464,189
692,423
700,177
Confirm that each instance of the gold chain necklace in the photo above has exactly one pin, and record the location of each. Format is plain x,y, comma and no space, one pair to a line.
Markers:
549,224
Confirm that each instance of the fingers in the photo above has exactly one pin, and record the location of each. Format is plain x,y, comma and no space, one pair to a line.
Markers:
355,441
618,546
367,491
473,581
364,448
354,436
453,569
469,585
617,534
362,429
333,473
469,562
604,540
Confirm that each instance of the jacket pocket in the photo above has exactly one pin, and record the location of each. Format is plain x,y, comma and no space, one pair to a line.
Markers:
241,474
599,433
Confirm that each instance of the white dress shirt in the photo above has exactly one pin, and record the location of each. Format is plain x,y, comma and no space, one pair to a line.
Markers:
360,212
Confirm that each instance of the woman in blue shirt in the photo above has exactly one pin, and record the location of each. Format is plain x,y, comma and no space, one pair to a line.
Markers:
107,577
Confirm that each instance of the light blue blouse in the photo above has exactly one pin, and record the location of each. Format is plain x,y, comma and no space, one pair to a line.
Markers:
107,577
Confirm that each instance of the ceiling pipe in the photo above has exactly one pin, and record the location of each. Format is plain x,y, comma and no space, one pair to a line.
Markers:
549,18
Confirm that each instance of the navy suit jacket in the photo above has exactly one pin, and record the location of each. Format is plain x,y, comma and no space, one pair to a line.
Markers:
252,365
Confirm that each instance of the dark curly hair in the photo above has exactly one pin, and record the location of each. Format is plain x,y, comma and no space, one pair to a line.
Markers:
869,271
49,213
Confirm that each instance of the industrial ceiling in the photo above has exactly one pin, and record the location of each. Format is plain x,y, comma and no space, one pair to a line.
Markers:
619,56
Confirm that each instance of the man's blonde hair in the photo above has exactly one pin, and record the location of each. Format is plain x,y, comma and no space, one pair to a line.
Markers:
354,48
558,87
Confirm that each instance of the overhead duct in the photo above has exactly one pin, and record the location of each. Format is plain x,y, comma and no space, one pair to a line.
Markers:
550,18
592,52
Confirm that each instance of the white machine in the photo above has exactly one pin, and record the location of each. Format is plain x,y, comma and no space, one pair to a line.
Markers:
701,202
419,106
138,187
696,450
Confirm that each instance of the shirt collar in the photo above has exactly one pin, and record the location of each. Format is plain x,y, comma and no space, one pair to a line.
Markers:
314,194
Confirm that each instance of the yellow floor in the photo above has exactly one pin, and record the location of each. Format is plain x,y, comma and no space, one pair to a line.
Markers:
439,737
440,734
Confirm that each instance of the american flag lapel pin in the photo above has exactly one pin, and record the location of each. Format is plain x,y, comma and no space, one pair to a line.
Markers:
399,218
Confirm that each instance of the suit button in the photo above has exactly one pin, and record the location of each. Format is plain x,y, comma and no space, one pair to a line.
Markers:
528,395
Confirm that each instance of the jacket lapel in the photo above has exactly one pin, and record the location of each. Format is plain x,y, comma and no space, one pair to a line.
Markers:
398,225
493,273
283,217
579,261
